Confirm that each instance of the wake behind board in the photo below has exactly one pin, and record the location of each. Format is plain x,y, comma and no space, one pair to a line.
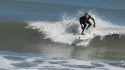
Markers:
79,39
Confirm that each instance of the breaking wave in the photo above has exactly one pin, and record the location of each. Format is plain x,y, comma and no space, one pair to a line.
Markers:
68,30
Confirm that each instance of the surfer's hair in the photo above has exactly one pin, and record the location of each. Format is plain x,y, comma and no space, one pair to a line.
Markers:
86,14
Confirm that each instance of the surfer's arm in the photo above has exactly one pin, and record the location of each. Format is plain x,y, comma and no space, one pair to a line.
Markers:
93,21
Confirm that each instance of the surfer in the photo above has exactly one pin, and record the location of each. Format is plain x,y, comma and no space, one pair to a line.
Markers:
84,21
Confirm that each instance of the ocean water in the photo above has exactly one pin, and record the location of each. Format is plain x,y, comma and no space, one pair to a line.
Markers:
45,35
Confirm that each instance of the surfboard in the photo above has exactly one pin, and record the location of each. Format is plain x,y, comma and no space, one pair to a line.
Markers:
80,40
81,36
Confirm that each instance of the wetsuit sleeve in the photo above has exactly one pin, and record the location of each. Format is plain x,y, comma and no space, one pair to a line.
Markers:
93,21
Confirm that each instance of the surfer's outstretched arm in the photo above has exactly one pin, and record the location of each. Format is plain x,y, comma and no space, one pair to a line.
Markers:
93,21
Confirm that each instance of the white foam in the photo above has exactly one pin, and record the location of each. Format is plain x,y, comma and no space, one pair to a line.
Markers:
72,64
5,63
68,30
113,67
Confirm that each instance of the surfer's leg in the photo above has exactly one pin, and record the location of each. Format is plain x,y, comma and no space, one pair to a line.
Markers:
89,24
83,28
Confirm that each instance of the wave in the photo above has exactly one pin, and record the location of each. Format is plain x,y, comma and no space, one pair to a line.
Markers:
20,36
68,30
65,31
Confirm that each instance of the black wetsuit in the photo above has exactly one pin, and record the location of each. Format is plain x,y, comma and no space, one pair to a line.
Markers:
84,21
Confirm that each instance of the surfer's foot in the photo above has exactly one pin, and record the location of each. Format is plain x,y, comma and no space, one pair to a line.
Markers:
87,28
82,34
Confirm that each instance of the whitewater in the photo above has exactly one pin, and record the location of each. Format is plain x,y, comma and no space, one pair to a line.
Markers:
30,61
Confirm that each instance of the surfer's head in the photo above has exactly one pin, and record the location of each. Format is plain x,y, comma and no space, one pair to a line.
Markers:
86,14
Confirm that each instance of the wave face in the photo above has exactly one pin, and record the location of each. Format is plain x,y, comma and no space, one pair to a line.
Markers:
68,30
15,37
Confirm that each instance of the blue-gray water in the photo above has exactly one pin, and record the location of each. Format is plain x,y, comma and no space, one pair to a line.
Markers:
42,35
34,10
